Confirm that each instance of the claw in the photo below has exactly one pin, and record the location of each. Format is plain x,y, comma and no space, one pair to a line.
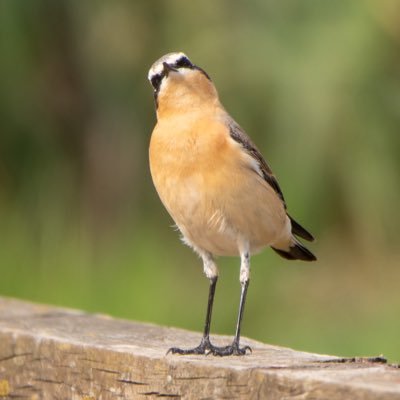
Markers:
233,349
197,350
200,349
207,348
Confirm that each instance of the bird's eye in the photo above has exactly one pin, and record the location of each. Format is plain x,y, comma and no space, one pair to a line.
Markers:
156,81
183,63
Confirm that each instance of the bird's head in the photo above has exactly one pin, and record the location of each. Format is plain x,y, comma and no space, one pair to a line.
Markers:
179,84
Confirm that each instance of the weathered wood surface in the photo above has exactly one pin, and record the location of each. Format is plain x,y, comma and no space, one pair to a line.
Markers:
54,353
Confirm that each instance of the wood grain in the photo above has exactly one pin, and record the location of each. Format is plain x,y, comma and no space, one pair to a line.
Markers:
54,353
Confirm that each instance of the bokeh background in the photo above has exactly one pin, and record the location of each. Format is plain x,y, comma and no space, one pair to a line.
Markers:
317,86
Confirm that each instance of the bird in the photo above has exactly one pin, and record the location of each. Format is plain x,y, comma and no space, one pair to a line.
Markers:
215,184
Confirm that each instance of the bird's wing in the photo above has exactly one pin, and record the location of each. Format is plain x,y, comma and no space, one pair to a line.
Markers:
240,136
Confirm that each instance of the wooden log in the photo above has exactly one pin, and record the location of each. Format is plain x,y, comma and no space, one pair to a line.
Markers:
53,353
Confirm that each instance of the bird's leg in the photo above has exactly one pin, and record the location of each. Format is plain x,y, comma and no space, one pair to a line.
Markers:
234,348
210,269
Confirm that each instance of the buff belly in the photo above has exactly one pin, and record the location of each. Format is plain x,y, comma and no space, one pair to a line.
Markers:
217,218
212,191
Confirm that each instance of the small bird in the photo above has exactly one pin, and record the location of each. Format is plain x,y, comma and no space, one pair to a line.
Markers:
215,184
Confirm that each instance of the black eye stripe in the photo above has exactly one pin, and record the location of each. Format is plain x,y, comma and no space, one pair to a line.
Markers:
156,81
183,63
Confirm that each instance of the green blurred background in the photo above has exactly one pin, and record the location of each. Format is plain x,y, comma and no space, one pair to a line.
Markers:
315,83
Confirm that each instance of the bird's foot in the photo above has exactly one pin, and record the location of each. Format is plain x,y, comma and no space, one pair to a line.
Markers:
205,347
202,348
231,350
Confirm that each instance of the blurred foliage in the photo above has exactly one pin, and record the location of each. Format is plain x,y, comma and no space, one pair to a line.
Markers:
315,83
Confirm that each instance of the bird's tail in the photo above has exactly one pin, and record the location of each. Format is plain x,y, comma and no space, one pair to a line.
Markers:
296,251
298,230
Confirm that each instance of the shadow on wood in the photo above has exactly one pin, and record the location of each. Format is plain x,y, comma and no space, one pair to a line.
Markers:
54,353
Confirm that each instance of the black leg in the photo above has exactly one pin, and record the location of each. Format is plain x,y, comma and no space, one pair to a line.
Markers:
211,293
205,344
239,321
234,348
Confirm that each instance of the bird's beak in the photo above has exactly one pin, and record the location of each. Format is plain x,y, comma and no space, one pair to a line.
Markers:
168,68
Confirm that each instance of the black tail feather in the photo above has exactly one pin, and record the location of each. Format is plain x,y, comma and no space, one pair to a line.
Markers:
296,252
298,230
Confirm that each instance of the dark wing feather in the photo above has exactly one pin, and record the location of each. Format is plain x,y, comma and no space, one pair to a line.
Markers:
241,137
238,134
298,230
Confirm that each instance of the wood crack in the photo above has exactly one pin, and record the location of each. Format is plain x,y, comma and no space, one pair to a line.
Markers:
107,371
12,356
47,380
129,382
158,394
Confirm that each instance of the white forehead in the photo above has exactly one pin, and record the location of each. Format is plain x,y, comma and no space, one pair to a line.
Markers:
170,58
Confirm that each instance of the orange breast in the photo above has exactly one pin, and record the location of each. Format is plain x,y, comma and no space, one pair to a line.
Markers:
206,182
